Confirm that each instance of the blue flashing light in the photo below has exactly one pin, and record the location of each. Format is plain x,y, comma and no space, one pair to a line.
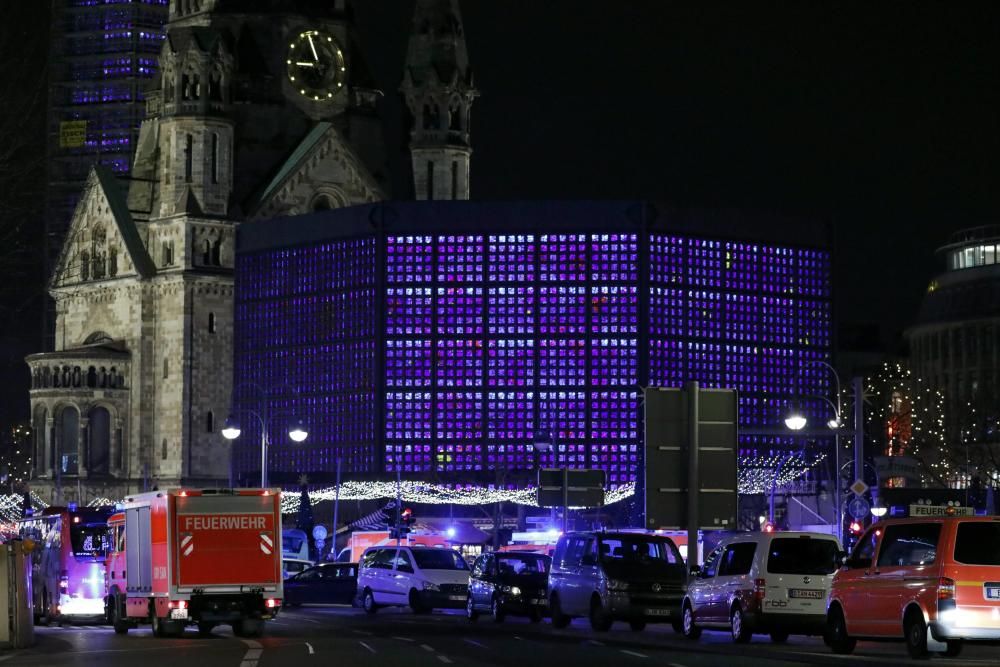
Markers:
450,532
72,507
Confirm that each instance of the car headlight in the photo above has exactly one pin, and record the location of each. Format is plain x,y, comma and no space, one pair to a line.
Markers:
616,585
431,586
514,590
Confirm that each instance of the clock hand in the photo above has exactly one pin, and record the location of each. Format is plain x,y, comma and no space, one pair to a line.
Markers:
313,47
306,64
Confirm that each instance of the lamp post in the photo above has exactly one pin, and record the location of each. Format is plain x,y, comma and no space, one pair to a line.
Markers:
297,432
796,421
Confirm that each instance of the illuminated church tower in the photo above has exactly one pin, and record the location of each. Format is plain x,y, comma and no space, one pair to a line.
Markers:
439,92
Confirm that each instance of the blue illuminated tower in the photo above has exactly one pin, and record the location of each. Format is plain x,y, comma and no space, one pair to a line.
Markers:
103,54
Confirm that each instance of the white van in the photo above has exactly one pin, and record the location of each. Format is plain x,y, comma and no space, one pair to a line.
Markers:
776,583
424,578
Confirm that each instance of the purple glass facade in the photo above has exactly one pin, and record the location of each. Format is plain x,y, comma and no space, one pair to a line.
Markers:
480,343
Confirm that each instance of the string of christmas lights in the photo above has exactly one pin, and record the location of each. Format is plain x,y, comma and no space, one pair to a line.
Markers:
757,473
434,494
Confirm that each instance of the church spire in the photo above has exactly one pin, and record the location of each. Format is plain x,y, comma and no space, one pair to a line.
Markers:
439,92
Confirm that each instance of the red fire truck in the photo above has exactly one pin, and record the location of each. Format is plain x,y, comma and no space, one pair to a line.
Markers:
199,557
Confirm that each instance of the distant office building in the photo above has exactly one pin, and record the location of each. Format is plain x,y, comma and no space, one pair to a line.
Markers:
955,343
442,339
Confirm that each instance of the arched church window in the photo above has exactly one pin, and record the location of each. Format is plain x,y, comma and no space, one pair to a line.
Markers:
163,450
210,422
188,158
167,248
191,85
455,116
84,265
211,324
92,378
96,338
76,376
206,255
217,252
113,262
166,368
215,84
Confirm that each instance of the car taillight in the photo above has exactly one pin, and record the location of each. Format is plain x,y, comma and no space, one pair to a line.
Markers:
178,604
759,590
272,603
946,589
64,582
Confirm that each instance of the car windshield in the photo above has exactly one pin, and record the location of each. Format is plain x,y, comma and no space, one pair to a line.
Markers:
978,543
802,555
439,559
89,539
638,550
522,564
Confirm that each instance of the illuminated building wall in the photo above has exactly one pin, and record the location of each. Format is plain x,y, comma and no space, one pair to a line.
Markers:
103,55
498,324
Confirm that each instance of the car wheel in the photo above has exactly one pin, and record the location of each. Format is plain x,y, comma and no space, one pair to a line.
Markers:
559,619
600,620
496,609
836,633
915,631
688,628
738,626
368,602
954,649
637,626
779,636
416,605
470,610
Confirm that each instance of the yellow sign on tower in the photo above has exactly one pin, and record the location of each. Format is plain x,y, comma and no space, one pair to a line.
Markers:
72,133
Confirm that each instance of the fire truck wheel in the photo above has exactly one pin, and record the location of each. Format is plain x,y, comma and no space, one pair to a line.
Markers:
120,625
248,627
205,628
159,627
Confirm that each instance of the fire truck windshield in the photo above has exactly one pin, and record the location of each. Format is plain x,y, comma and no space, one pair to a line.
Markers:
90,540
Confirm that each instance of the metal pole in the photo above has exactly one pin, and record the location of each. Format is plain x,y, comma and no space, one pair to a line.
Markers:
838,510
399,503
691,389
263,456
336,508
859,428
565,485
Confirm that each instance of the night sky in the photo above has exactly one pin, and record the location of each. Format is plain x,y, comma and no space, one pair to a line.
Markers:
882,120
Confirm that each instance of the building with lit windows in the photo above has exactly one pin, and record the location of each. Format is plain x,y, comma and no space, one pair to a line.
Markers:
441,339
955,342
103,56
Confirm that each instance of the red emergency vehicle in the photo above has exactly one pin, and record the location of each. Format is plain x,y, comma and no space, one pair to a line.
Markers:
201,557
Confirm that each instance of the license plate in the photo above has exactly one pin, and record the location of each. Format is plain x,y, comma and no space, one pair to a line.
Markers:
456,597
991,591
657,612
805,594
179,613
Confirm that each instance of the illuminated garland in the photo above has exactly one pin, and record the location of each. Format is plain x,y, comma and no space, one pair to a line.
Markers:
434,494
757,473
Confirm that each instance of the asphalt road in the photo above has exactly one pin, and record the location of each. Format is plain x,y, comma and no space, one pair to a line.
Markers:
324,635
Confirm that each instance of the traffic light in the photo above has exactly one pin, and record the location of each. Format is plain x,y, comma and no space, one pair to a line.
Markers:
406,517
856,527
767,527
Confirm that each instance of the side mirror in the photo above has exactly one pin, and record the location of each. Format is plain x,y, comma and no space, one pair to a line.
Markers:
842,558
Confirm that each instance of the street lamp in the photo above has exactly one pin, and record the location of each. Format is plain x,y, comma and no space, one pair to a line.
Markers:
231,430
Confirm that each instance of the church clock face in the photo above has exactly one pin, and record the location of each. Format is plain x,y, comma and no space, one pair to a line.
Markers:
316,65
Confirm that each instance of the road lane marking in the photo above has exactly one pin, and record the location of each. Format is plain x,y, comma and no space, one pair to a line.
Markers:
404,639
635,654
310,647
361,632
427,648
594,642
518,638
370,649
475,643
253,654
445,659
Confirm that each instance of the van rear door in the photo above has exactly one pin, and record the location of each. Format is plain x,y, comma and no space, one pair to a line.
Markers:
799,571
226,542
977,572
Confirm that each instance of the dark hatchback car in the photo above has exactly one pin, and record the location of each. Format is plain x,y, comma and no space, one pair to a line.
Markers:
326,583
508,583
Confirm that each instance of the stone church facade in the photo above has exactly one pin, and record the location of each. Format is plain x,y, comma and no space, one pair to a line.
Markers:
263,109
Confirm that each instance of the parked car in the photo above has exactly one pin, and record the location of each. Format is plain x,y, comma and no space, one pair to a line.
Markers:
290,566
326,583
775,583
612,576
933,583
508,583
425,578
